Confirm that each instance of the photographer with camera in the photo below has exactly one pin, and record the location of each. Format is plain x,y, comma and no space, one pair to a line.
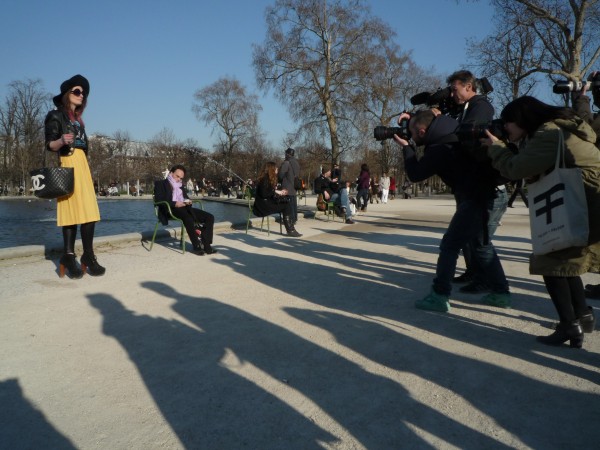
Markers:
475,109
445,157
539,129
581,105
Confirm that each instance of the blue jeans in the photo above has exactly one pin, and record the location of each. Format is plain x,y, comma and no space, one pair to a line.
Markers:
477,249
466,225
341,198
362,197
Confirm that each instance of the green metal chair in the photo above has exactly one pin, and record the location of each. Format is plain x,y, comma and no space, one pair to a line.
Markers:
170,216
328,211
251,213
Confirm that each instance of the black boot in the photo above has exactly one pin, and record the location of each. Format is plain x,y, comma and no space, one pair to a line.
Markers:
89,262
565,331
67,262
588,321
289,227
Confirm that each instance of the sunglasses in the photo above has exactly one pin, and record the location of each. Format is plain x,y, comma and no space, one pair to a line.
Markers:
77,92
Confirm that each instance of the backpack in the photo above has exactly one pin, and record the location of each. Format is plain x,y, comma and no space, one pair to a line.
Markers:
321,204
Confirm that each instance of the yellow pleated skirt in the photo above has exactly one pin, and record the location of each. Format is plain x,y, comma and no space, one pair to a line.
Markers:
81,206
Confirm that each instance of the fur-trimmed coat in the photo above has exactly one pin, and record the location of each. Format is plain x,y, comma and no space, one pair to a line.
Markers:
536,156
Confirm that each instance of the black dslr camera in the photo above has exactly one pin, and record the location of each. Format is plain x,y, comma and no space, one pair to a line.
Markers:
468,132
382,133
566,86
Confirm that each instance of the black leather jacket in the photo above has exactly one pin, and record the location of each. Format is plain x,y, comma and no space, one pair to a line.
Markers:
56,124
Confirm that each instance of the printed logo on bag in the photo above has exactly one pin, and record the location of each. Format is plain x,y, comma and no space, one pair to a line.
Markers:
37,180
549,202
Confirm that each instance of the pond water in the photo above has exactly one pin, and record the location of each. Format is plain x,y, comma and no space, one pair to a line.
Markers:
32,221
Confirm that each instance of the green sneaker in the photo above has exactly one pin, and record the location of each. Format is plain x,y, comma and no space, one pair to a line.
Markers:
434,302
501,300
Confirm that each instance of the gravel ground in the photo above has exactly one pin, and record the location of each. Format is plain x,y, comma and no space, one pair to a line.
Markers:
281,343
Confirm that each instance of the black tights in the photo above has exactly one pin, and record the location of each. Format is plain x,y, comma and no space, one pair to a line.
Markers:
87,237
568,296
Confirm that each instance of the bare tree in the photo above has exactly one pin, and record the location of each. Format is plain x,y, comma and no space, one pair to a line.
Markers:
385,85
310,58
558,38
228,108
509,59
22,125
164,149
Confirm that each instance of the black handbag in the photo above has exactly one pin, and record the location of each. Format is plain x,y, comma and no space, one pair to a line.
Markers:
298,185
281,198
52,182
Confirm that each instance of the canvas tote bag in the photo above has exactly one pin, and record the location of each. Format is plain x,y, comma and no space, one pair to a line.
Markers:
558,212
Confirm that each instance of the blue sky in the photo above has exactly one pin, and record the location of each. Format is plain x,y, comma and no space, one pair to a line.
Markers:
145,59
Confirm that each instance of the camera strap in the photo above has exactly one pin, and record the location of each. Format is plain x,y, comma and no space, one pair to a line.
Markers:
464,112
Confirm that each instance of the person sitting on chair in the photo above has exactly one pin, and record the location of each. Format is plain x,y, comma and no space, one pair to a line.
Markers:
170,190
332,192
270,200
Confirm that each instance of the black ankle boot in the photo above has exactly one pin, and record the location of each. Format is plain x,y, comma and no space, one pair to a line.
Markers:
89,262
67,262
588,321
565,331
289,227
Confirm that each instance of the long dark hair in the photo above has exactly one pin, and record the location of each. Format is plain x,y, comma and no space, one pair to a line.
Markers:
269,172
66,106
529,113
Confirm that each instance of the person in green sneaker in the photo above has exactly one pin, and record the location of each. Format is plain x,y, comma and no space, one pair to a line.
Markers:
443,155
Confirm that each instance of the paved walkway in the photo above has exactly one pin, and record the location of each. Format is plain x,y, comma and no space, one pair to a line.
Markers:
282,343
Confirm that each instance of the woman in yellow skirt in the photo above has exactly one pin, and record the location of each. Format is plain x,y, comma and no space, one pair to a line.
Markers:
65,134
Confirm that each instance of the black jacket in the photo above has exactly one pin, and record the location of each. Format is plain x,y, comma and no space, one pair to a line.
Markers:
322,184
56,124
163,192
264,202
477,110
581,105
443,156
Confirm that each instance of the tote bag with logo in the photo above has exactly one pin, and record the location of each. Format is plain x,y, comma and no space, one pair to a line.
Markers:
558,212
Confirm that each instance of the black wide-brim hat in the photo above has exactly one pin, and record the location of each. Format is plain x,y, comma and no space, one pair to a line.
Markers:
77,80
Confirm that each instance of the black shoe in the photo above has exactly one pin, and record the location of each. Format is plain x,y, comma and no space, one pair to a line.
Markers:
570,331
68,263
474,287
89,262
209,250
588,321
464,278
350,222
198,251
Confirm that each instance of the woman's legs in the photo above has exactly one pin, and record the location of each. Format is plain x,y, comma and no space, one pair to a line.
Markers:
67,260
88,259
69,235
567,295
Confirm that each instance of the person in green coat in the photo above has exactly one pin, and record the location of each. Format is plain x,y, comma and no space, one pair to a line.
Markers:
534,126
